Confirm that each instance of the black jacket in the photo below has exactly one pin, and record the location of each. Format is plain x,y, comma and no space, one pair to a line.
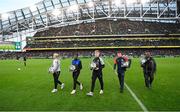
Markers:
149,66
99,63
119,63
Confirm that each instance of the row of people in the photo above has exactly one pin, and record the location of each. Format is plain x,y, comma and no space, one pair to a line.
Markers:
121,63
109,27
88,53
103,43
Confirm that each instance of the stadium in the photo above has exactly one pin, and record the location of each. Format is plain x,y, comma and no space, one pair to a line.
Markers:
33,37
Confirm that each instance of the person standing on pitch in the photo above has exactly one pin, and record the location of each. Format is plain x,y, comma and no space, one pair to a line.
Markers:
96,66
55,69
76,68
24,59
121,63
149,69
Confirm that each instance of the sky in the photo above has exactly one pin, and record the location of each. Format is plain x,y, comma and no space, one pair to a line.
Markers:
9,5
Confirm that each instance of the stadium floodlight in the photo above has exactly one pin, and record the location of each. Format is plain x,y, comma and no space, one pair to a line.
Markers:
106,3
4,16
117,2
144,1
90,4
73,8
131,1
33,8
56,12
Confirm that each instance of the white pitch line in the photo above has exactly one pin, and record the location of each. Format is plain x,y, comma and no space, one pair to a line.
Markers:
143,107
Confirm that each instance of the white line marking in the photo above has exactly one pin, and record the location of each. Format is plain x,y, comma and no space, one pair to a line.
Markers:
143,107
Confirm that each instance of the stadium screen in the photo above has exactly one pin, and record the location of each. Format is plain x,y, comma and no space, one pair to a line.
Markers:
10,46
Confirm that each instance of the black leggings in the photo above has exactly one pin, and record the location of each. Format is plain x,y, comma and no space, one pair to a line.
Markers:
95,75
56,81
24,63
75,77
121,80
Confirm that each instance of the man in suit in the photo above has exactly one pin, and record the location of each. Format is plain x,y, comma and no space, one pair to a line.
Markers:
149,69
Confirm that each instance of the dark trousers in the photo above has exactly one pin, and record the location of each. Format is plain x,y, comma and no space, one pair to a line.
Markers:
95,75
24,63
56,80
75,77
121,80
149,77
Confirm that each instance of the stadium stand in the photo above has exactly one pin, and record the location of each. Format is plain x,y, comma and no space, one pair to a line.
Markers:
102,42
88,53
108,36
107,27
83,26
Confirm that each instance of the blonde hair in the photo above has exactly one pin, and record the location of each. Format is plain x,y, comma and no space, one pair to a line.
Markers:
97,51
55,55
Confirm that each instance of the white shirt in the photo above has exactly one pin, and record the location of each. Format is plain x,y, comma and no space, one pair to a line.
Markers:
56,65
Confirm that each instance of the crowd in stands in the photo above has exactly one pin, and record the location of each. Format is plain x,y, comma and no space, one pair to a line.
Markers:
114,27
103,43
102,27
88,53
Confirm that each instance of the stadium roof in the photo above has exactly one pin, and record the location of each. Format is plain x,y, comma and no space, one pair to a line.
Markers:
62,12
10,5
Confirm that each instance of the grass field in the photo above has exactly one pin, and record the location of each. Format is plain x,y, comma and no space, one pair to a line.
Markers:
30,88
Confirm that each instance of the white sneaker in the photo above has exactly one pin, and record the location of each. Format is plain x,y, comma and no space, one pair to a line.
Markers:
62,85
81,86
54,90
101,92
90,94
73,92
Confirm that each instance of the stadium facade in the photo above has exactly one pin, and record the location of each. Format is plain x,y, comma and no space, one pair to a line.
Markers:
57,21
64,12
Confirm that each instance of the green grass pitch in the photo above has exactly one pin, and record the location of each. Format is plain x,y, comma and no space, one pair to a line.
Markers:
30,88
